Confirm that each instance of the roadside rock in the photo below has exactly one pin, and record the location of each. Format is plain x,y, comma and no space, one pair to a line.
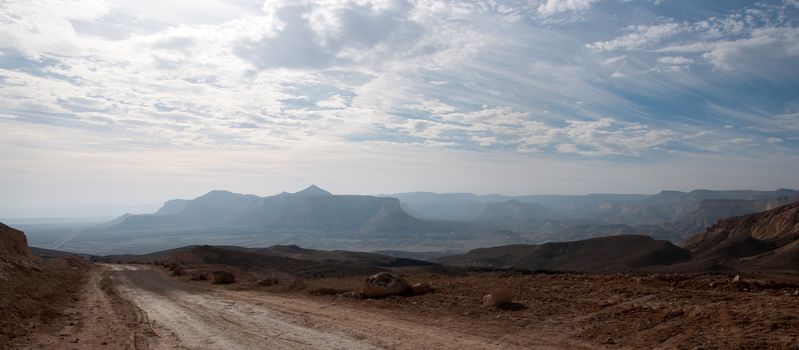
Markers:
499,296
198,276
269,281
422,288
384,284
222,277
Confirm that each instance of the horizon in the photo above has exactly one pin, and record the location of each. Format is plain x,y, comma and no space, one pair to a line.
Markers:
118,106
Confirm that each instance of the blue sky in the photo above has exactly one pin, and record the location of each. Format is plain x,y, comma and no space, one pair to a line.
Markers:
108,105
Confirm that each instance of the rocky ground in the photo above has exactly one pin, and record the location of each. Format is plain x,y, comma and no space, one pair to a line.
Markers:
142,306
613,311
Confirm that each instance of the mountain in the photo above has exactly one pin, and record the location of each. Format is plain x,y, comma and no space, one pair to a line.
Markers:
313,190
672,215
172,207
515,215
763,241
310,210
604,254
445,206
698,207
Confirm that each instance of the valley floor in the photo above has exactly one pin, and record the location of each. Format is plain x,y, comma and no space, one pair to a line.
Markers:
140,307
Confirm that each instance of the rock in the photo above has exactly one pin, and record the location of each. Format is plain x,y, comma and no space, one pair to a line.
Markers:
353,295
222,277
178,271
384,284
268,281
198,276
328,291
499,296
422,288
736,279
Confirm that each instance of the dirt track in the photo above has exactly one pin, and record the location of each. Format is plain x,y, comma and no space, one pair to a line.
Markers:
164,313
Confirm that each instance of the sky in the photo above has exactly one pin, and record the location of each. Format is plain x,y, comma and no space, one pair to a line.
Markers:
109,107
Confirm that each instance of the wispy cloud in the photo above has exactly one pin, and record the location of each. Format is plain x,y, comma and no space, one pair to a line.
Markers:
548,78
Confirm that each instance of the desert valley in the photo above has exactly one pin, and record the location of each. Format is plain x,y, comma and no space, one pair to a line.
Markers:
733,284
399,174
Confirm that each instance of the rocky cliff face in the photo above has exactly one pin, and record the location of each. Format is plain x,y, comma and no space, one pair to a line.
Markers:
13,247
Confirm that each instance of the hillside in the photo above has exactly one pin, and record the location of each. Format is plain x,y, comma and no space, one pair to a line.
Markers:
766,240
32,291
284,259
604,254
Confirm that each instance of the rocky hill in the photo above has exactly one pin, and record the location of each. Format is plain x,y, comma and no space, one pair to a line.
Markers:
282,259
766,240
604,254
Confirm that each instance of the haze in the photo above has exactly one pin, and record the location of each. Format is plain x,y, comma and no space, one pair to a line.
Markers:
113,107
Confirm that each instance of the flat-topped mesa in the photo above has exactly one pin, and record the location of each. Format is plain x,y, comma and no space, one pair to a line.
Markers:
310,210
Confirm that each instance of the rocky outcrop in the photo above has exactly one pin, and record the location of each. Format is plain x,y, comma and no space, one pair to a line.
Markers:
14,247
384,284
222,277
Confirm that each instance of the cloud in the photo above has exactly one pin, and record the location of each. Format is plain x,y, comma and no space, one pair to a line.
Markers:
764,44
552,7
37,28
675,60
313,35
638,37
443,75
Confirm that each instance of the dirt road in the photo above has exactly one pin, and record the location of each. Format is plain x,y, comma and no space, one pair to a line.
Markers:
135,307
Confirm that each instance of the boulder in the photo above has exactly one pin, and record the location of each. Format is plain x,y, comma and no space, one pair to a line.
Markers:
384,284
222,277
422,288
499,296
198,276
268,281
178,271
